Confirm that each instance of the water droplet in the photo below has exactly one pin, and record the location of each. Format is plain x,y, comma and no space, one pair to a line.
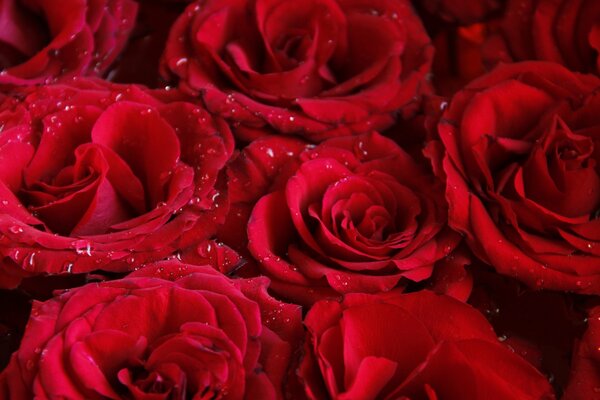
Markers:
502,338
31,259
361,147
68,267
181,62
194,201
15,229
82,247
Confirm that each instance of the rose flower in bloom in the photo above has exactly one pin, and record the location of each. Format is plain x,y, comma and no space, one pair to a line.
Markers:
353,214
563,31
101,176
411,346
316,68
523,173
44,39
168,331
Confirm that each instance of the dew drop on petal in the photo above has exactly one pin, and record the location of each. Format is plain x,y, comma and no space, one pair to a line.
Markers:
15,229
68,267
181,61
82,247
31,260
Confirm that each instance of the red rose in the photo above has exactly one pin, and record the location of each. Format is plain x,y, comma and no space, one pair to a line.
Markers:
354,214
101,176
523,180
41,39
418,345
316,68
585,372
563,31
462,11
170,330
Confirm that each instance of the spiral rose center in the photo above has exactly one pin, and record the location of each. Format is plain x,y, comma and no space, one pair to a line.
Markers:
560,174
171,372
93,170
372,214
150,382
292,47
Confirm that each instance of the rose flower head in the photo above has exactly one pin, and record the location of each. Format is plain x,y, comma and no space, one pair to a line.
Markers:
101,176
523,173
315,68
411,346
169,330
353,214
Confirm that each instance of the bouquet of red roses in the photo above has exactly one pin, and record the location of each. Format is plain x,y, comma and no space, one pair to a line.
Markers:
300,199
